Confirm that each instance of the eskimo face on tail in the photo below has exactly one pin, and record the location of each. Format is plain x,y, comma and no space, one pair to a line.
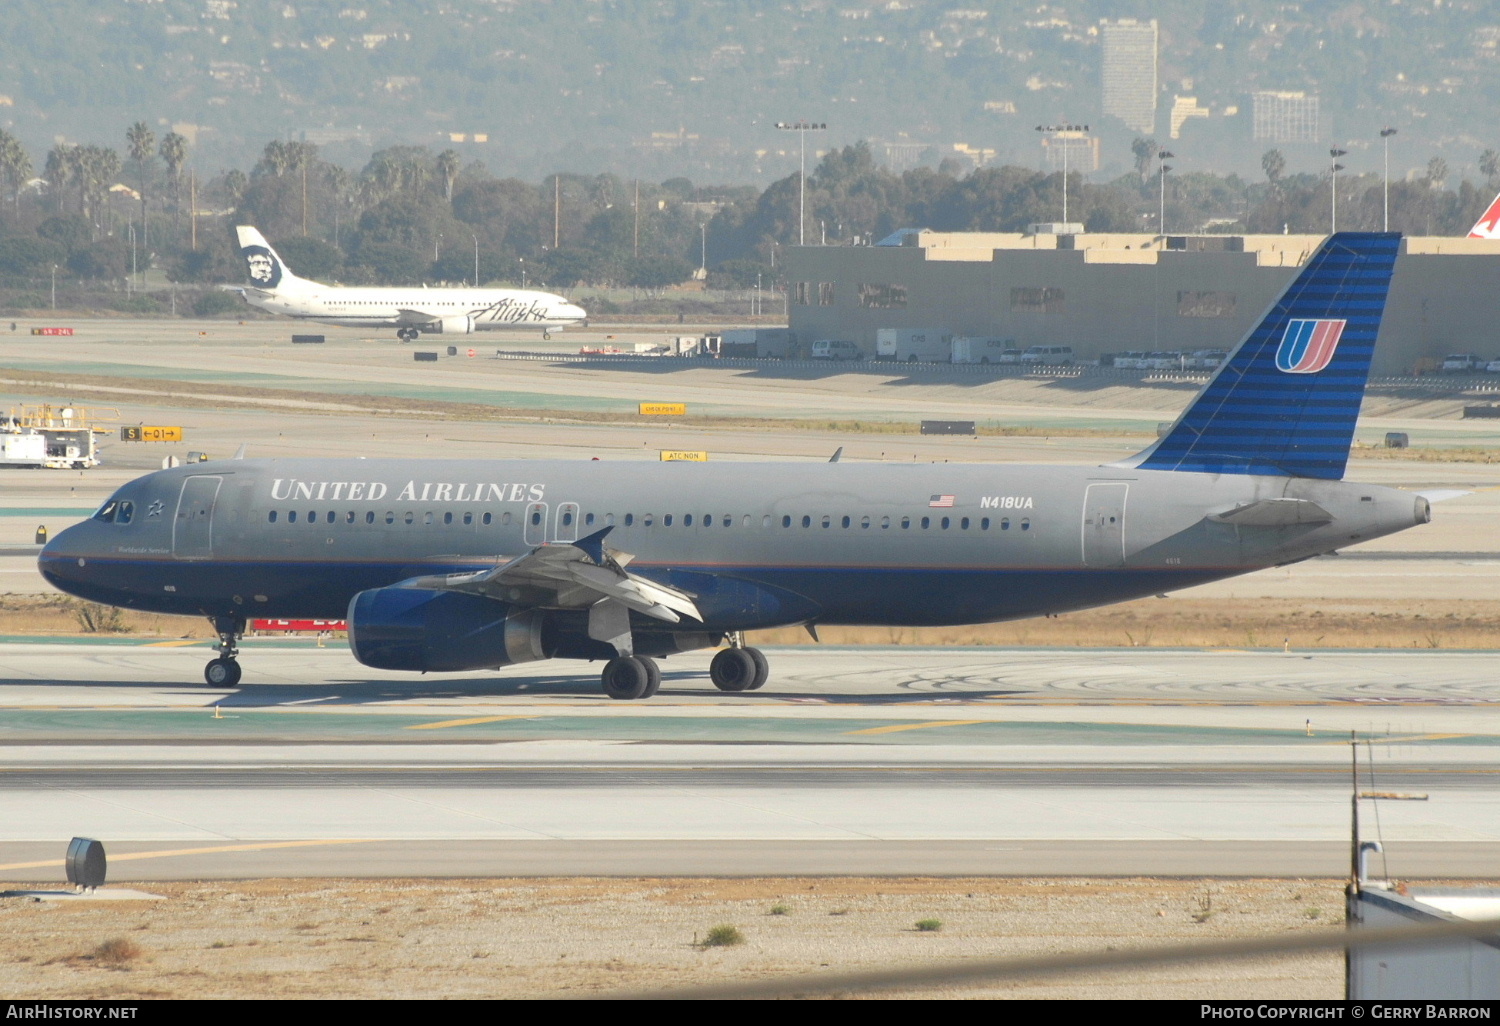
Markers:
262,267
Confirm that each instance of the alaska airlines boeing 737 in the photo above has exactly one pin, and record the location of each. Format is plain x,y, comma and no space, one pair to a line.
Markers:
443,311
451,565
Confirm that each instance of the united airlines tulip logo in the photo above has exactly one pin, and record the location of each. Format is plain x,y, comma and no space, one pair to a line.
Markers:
1308,346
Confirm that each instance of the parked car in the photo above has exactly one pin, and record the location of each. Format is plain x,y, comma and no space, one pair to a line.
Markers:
1493,367
1206,359
1163,361
1048,356
836,349
1130,361
1461,363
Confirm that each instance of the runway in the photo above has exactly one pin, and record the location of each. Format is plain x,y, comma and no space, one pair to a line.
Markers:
900,760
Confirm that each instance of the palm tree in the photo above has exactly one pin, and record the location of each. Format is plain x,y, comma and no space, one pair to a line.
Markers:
61,168
142,148
1273,164
15,165
447,165
174,152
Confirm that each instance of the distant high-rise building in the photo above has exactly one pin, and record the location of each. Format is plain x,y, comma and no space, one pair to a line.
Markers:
1285,117
1129,72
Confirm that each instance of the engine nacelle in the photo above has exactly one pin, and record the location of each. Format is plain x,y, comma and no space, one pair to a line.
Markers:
451,326
420,629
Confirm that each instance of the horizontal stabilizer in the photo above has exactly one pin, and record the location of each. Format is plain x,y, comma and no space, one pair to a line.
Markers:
1286,400
1275,513
1442,494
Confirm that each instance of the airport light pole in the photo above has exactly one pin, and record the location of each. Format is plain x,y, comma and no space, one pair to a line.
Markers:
1055,131
1334,154
54,286
1161,218
437,247
522,261
703,253
1385,140
802,128
476,258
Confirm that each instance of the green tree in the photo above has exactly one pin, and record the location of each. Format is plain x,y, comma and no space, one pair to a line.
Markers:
654,273
142,149
15,166
447,168
390,263
1273,163
1437,173
26,256
173,152
1145,150
309,257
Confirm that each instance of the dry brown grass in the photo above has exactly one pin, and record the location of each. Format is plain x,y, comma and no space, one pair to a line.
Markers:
507,938
117,951
1145,623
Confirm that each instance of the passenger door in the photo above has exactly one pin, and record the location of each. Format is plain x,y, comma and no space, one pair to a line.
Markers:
1104,524
192,530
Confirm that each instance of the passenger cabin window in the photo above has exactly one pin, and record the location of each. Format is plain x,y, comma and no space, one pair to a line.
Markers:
370,517
629,519
926,523
786,521
687,520
447,518
468,519
807,521
271,517
1025,524
1005,523
487,518
410,518
567,518
390,517
588,520
666,520
845,522
349,517
291,516
827,521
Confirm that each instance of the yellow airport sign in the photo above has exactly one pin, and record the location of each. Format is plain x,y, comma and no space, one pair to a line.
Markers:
663,409
150,433
671,455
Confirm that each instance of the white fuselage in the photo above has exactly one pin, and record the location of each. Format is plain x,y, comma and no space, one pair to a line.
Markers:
441,310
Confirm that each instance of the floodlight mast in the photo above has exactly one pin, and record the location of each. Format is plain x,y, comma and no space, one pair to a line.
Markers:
802,128
1054,130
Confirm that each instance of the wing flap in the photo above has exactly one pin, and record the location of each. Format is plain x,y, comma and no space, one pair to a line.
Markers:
574,575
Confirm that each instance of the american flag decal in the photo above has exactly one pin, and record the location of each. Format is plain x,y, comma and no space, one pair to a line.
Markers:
940,501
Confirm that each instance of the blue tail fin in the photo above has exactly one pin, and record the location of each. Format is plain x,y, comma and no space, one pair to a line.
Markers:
1285,401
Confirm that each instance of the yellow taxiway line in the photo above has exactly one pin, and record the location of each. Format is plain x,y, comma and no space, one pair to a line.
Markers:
133,856
466,723
915,726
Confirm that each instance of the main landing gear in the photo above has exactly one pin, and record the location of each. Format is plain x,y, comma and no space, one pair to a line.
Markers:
736,668
631,677
408,334
224,672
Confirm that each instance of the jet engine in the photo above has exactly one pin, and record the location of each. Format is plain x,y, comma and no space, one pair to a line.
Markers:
451,326
422,629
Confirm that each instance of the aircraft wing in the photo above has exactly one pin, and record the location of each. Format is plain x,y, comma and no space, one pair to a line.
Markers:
412,318
576,575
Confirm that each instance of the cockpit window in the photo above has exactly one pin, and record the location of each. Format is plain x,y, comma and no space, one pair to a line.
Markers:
116,512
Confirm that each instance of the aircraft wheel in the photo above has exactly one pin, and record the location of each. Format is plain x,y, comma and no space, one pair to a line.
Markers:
762,669
654,672
626,679
733,669
546,336
222,673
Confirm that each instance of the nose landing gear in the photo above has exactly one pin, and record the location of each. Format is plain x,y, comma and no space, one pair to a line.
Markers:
224,672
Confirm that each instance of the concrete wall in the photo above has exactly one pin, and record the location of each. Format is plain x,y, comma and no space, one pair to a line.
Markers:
1123,292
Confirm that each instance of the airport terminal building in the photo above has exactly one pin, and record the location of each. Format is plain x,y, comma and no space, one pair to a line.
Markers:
1104,293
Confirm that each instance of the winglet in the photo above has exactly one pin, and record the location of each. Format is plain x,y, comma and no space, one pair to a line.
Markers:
836,454
593,545
239,453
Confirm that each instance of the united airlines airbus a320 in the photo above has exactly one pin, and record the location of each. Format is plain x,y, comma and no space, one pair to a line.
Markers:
471,564
411,312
